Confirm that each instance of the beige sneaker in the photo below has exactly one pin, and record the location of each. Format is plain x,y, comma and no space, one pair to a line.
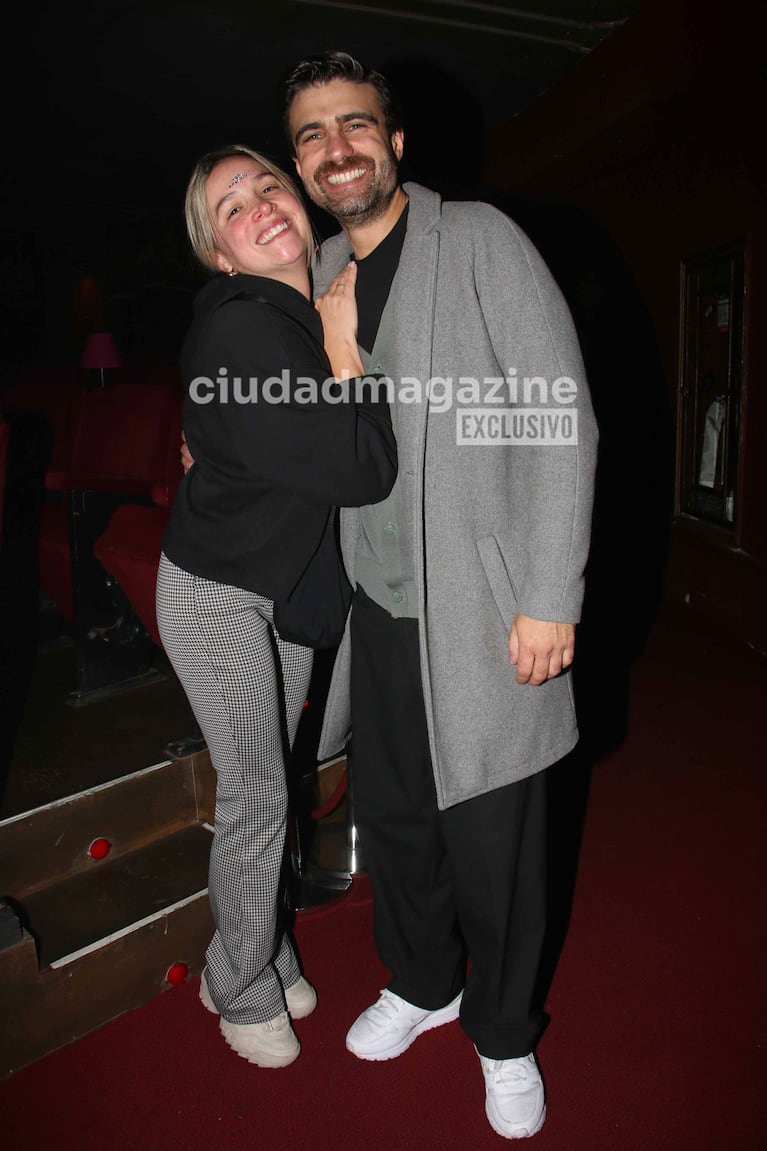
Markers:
301,998
271,1044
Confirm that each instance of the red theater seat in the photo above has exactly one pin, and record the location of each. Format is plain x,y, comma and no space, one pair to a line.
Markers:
129,550
125,445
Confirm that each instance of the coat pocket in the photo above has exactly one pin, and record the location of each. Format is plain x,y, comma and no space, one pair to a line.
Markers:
499,579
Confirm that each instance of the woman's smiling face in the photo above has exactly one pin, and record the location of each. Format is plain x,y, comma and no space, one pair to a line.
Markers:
261,228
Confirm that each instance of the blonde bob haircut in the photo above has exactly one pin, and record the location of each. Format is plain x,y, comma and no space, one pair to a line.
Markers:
199,226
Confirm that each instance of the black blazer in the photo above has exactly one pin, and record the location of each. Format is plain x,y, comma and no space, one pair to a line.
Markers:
251,510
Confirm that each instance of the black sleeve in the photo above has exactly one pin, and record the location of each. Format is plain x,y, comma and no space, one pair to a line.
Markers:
280,418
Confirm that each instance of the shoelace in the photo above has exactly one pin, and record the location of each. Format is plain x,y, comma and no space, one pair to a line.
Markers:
511,1071
278,1023
387,1006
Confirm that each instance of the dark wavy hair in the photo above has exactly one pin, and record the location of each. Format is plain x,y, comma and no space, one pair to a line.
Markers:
317,70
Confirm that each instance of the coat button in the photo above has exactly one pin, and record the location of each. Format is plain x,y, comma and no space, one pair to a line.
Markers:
397,596
389,529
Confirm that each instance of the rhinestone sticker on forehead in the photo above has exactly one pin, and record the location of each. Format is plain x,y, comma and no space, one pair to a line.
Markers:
240,176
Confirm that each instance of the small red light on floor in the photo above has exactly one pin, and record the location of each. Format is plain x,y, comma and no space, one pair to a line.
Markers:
177,974
99,848
306,703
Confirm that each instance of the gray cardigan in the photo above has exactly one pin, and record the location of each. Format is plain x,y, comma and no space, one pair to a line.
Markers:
498,528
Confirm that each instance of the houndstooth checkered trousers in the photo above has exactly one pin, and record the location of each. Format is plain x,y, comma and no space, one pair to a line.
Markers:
234,669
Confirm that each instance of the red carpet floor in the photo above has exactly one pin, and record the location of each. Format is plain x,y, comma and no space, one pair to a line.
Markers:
657,1039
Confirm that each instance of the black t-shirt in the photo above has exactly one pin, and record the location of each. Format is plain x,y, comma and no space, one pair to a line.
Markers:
374,279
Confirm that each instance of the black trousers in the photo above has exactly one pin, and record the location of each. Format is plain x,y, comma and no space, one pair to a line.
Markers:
459,895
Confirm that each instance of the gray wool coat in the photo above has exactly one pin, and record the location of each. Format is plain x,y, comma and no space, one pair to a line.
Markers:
499,528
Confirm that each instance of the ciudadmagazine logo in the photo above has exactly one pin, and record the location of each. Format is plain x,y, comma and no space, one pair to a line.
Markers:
498,410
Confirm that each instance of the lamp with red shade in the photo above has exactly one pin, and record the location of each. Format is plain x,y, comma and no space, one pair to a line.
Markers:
100,353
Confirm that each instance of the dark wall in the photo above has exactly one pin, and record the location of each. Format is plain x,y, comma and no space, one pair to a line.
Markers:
644,157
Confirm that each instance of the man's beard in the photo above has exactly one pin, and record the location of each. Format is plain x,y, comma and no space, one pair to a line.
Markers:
355,209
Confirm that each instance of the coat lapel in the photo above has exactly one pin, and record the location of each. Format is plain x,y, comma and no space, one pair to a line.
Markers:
403,346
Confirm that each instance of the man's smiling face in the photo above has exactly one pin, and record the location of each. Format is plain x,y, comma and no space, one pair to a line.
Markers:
344,156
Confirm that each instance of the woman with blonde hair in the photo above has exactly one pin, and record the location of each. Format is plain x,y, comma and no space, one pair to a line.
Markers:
275,452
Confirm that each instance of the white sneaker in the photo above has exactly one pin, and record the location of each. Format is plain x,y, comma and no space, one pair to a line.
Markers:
388,1028
301,998
515,1101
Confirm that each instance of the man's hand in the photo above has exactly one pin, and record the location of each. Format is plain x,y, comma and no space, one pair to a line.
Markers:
540,649
186,455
